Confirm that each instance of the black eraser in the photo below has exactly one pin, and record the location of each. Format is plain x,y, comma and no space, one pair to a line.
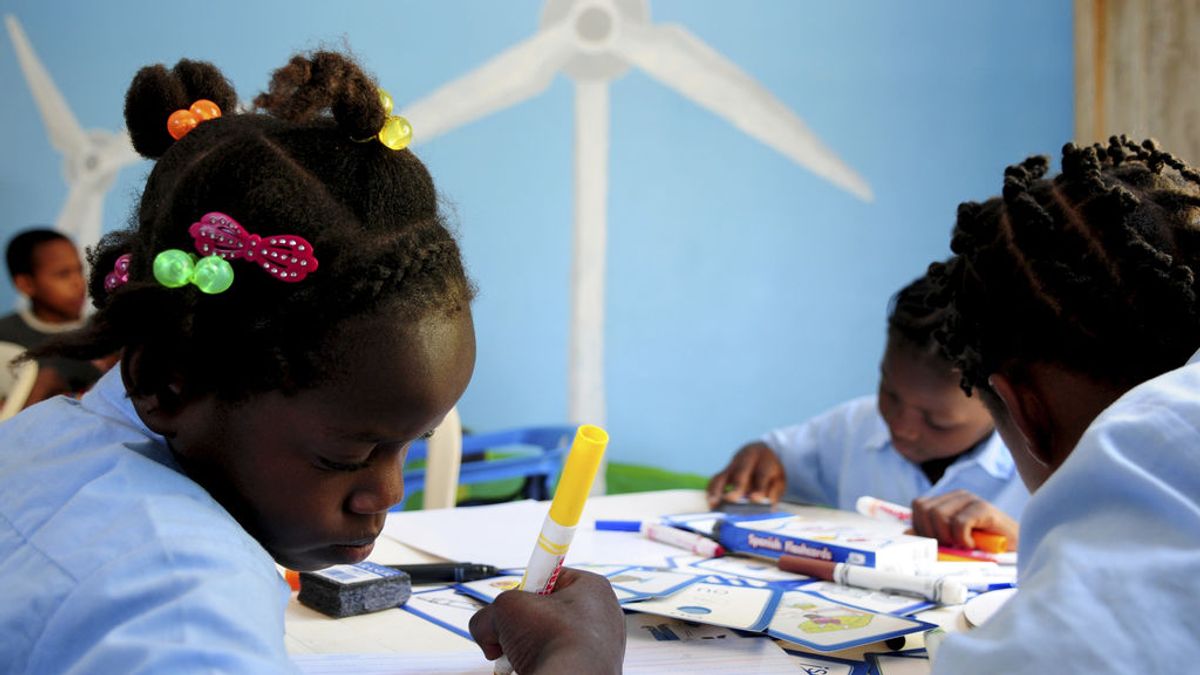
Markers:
347,590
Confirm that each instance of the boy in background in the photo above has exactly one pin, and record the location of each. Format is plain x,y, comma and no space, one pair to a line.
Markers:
46,269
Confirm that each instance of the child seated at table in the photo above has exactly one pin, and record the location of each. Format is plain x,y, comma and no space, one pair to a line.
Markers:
292,313
1073,313
920,440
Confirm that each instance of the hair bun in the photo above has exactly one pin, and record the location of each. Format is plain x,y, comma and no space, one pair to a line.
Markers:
309,85
156,92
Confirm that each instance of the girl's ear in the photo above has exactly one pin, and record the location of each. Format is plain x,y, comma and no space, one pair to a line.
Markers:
1028,414
158,400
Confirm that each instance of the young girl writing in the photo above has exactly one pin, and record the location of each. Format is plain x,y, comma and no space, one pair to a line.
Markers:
920,440
292,312
1072,313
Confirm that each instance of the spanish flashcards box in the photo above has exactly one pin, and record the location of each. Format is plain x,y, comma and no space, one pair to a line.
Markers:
829,540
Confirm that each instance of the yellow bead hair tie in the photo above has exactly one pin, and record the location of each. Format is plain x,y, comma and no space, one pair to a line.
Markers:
396,132
182,121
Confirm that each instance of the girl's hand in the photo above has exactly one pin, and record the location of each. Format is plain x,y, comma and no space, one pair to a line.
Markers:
755,472
578,628
951,517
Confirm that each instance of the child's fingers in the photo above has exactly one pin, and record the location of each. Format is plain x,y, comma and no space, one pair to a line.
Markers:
769,487
483,631
971,515
932,515
716,488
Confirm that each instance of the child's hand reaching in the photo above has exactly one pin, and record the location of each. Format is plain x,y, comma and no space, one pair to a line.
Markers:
755,472
579,628
951,518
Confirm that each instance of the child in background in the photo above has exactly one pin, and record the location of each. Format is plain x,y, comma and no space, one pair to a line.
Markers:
45,268
266,394
1072,313
919,441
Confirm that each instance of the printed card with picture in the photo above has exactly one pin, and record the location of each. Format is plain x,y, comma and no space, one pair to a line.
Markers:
827,626
488,589
719,605
445,607
642,583
749,568
876,601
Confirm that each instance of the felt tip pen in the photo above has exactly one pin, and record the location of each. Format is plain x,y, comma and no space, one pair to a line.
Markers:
878,508
558,529
665,534
943,590
432,573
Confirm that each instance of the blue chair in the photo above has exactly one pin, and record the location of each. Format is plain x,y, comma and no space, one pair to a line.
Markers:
533,453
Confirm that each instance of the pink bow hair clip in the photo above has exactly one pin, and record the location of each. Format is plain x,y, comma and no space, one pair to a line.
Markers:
120,274
286,257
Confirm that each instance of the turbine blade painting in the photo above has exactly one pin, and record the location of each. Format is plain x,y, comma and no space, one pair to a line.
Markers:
595,42
91,159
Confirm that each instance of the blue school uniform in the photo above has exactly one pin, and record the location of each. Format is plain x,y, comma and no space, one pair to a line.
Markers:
847,452
114,561
1110,550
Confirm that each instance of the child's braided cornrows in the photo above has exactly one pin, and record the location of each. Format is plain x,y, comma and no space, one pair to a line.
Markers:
1095,269
308,167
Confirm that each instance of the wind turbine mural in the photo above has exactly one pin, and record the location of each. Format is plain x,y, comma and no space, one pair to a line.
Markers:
595,42
91,159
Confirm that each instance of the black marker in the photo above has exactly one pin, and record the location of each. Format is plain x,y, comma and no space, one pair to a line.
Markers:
431,573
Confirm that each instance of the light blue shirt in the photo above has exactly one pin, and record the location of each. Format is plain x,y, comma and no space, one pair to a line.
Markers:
1110,550
113,561
847,452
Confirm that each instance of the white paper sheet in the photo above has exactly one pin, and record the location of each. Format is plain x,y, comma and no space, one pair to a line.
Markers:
510,532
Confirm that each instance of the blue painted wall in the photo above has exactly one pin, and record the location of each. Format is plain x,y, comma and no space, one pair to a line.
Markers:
743,292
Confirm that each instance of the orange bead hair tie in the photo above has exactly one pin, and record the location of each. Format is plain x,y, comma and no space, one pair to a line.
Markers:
182,121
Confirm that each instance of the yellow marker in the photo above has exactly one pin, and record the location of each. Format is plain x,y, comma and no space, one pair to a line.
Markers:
574,485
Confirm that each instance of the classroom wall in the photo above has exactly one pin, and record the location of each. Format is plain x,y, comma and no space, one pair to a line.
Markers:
742,290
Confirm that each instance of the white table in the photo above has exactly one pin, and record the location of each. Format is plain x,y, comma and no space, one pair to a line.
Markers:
395,630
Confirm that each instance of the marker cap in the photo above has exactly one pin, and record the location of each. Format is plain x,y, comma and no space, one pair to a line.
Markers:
580,471
990,541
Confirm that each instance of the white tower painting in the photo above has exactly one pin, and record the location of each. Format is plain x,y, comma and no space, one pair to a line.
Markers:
91,158
595,42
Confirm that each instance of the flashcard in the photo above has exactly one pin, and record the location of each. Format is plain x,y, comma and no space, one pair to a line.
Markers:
748,568
734,581
828,626
816,664
660,629
445,607
900,663
729,606
684,560
876,601
651,582
488,589
603,570
703,523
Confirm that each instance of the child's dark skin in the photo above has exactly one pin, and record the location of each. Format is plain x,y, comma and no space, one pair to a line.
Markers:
928,417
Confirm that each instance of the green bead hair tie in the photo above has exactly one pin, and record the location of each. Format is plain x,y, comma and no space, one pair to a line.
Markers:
174,268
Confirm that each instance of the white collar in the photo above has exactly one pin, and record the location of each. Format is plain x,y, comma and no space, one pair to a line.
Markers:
43,327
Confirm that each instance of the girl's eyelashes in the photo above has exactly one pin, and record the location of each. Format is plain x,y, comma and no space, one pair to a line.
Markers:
330,465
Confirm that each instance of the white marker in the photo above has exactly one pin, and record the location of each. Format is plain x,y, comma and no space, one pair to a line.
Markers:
877,508
944,590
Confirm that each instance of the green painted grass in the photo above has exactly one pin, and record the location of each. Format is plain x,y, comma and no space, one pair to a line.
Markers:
619,478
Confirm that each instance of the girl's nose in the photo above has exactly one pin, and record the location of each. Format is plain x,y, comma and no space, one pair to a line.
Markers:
381,489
